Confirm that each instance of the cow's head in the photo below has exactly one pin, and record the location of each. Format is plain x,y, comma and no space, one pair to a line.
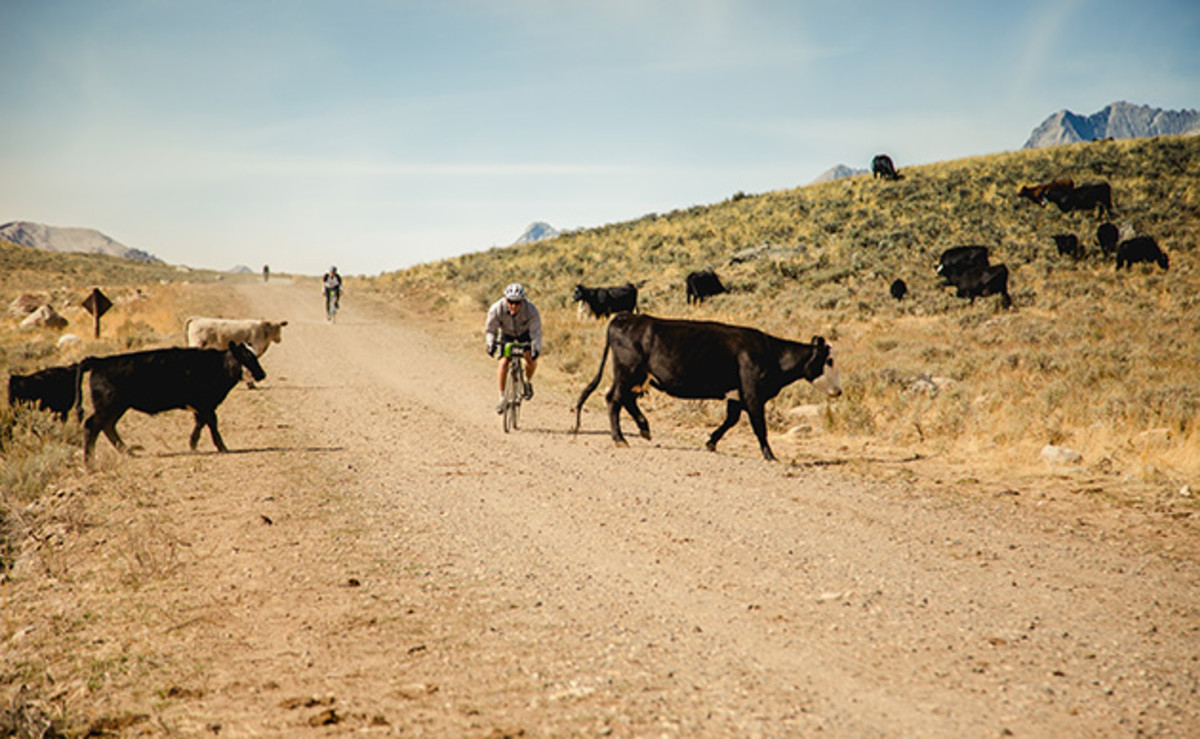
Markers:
248,359
820,369
578,294
275,331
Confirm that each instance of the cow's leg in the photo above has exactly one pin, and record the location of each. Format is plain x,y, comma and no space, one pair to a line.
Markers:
91,429
733,411
110,431
208,419
639,418
758,422
614,415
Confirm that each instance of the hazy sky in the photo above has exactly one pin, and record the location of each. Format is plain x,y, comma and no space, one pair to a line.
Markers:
377,134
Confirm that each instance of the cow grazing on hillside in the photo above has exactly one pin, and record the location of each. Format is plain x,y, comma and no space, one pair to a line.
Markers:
1068,246
899,289
702,284
1140,249
157,380
1038,193
991,280
960,260
605,301
52,389
216,333
1107,236
882,166
705,360
1085,198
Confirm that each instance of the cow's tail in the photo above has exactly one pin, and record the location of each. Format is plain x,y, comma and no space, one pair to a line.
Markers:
591,386
82,366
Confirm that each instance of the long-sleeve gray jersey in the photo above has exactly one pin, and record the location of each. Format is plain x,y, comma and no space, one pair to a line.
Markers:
501,322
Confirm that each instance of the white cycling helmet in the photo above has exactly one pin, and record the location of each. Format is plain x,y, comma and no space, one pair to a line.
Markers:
514,292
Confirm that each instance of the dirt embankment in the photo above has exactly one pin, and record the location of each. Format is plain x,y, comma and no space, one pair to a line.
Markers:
377,555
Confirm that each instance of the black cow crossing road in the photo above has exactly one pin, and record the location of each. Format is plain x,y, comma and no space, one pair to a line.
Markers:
158,380
705,360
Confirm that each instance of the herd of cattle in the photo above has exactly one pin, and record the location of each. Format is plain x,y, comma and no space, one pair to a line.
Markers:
683,358
197,377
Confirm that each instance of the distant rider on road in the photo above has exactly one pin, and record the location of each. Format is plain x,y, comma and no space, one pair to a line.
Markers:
331,283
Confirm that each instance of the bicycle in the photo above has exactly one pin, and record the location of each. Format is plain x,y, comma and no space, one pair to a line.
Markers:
332,298
514,385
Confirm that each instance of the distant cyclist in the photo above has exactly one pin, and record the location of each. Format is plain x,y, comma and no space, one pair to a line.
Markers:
331,283
514,318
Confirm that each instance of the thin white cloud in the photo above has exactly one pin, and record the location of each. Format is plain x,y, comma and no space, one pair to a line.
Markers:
1042,33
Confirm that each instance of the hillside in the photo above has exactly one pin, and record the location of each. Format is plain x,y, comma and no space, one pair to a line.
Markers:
77,240
1087,358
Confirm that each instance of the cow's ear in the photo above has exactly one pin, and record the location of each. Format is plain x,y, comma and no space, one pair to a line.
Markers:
231,345
818,341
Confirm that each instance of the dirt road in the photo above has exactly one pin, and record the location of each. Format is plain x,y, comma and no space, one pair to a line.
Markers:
378,555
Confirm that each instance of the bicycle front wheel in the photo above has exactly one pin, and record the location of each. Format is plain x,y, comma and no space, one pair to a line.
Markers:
512,395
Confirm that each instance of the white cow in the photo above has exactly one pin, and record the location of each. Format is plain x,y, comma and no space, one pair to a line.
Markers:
216,333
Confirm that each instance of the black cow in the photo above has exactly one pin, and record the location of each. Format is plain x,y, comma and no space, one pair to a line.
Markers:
1084,197
1038,193
1068,246
705,360
1107,236
1140,249
52,389
899,289
158,380
703,284
604,301
882,166
960,260
991,280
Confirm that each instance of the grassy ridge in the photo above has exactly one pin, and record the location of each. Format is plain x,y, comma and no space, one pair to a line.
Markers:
1087,357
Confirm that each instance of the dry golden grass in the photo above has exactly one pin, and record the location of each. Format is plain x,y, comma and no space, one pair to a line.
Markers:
1098,361
150,305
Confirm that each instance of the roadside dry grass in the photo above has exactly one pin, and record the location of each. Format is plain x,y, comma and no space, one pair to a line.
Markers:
150,305
46,502
1099,361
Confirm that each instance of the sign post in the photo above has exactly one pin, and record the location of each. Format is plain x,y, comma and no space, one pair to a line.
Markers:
97,304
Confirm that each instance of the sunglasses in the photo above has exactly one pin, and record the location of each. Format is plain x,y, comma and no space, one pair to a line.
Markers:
514,302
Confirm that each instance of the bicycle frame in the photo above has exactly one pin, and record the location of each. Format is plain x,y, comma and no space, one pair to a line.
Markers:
514,385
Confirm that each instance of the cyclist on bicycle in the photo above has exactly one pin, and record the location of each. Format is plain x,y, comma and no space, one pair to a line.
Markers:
514,318
331,283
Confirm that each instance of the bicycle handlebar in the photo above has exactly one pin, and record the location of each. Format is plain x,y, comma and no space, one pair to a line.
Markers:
518,346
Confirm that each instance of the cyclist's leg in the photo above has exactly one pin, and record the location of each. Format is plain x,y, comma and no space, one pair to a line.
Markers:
501,375
530,368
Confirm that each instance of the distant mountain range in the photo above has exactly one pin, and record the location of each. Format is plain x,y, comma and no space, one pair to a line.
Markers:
537,231
1120,120
81,240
